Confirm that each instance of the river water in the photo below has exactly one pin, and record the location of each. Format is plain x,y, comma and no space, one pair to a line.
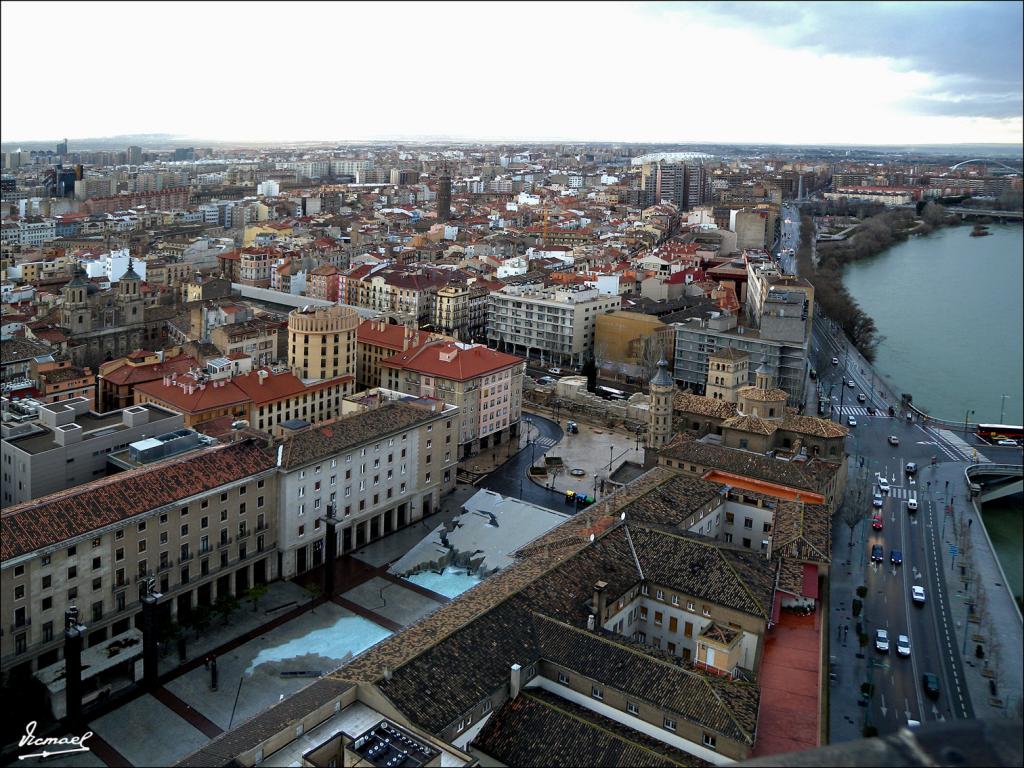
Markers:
949,308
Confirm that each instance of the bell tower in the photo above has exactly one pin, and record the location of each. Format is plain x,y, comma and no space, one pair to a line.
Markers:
129,295
75,313
659,428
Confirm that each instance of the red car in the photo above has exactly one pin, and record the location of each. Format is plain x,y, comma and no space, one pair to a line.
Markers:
876,522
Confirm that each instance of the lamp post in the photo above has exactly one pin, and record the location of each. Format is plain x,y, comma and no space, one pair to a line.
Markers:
1002,407
966,415
611,456
595,486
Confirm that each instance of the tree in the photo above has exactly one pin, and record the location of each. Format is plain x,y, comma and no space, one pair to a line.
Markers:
225,605
255,594
315,590
201,618
933,214
653,351
590,371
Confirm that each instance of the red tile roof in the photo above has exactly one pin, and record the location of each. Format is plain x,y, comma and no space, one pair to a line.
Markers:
454,361
137,374
387,335
68,514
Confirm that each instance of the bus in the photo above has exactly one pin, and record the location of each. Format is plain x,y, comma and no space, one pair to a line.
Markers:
995,432
611,394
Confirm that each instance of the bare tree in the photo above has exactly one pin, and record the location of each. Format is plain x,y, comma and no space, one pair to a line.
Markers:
654,348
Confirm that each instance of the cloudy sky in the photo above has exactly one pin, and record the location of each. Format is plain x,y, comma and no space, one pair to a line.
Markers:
773,72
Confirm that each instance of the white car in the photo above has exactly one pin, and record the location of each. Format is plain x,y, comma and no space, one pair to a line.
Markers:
917,593
851,421
903,645
912,505
835,361
850,384
881,641
878,500
883,485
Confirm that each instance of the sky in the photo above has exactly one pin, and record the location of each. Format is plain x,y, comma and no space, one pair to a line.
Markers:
732,72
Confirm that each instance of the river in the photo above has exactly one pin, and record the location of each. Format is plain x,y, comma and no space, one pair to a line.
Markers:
949,309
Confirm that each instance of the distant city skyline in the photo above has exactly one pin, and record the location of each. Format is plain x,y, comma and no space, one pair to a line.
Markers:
744,73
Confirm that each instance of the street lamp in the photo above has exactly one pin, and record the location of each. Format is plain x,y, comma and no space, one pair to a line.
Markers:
611,456
966,415
595,486
1002,407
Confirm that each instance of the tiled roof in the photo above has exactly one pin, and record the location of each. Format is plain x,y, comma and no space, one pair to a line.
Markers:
22,349
762,395
540,728
178,398
330,439
704,406
734,577
812,475
802,531
752,424
729,709
75,512
136,374
387,335
813,426
454,361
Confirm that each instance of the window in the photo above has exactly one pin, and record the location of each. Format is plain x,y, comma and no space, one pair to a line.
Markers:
709,741
563,678
46,560
72,551
73,593
660,595
97,584
658,618
748,522
19,592
675,599
669,724
163,537
597,693
688,629
302,530
486,707
707,612
73,572
632,708
767,528
46,582
643,590
689,606
184,530
163,518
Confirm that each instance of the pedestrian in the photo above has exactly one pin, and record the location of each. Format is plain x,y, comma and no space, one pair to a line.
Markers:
970,522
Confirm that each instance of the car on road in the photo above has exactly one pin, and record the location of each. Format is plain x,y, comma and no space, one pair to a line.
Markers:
893,440
814,374
883,484
930,681
556,371
911,468
878,500
851,421
912,505
835,361
877,553
881,641
861,397
1007,442
903,645
572,427
897,557
917,593
871,410
850,384
876,522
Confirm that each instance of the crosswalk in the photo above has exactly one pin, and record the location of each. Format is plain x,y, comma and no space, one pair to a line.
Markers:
958,444
860,410
546,442
901,493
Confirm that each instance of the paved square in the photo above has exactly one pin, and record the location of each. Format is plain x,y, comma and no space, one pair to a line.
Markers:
392,601
148,733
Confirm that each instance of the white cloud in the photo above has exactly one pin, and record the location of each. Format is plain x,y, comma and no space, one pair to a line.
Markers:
598,71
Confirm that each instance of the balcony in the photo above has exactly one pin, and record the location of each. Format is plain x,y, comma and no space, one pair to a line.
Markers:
165,566
262,527
186,557
23,625
224,542
205,550
243,535
117,585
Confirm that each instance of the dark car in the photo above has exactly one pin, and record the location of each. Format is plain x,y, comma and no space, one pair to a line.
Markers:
931,685
877,553
897,557
871,410
911,468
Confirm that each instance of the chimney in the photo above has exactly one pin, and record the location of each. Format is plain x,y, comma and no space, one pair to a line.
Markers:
599,600
590,623
516,683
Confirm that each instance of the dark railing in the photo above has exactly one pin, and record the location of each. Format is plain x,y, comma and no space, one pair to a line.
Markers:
27,622
223,543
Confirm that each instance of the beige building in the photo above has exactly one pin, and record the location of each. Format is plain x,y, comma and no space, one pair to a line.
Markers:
322,342
201,523
460,310
633,339
485,385
378,340
380,470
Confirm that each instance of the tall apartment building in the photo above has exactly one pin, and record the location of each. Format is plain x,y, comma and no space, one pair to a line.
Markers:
199,522
49,448
322,342
684,183
134,155
555,324
379,470
697,338
460,310
485,385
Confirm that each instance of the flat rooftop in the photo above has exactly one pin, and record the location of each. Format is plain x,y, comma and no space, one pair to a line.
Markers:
94,426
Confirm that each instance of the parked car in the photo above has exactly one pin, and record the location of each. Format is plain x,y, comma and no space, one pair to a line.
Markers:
851,421
877,553
883,484
814,374
911,505
881,641
572,427
911,468
876,522
917,593
893,440
878,500
850,384
861,397
903,645
556,371
897,557
930,681
835,361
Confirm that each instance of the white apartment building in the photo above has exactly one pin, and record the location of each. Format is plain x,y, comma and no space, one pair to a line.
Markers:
554,324
379,470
